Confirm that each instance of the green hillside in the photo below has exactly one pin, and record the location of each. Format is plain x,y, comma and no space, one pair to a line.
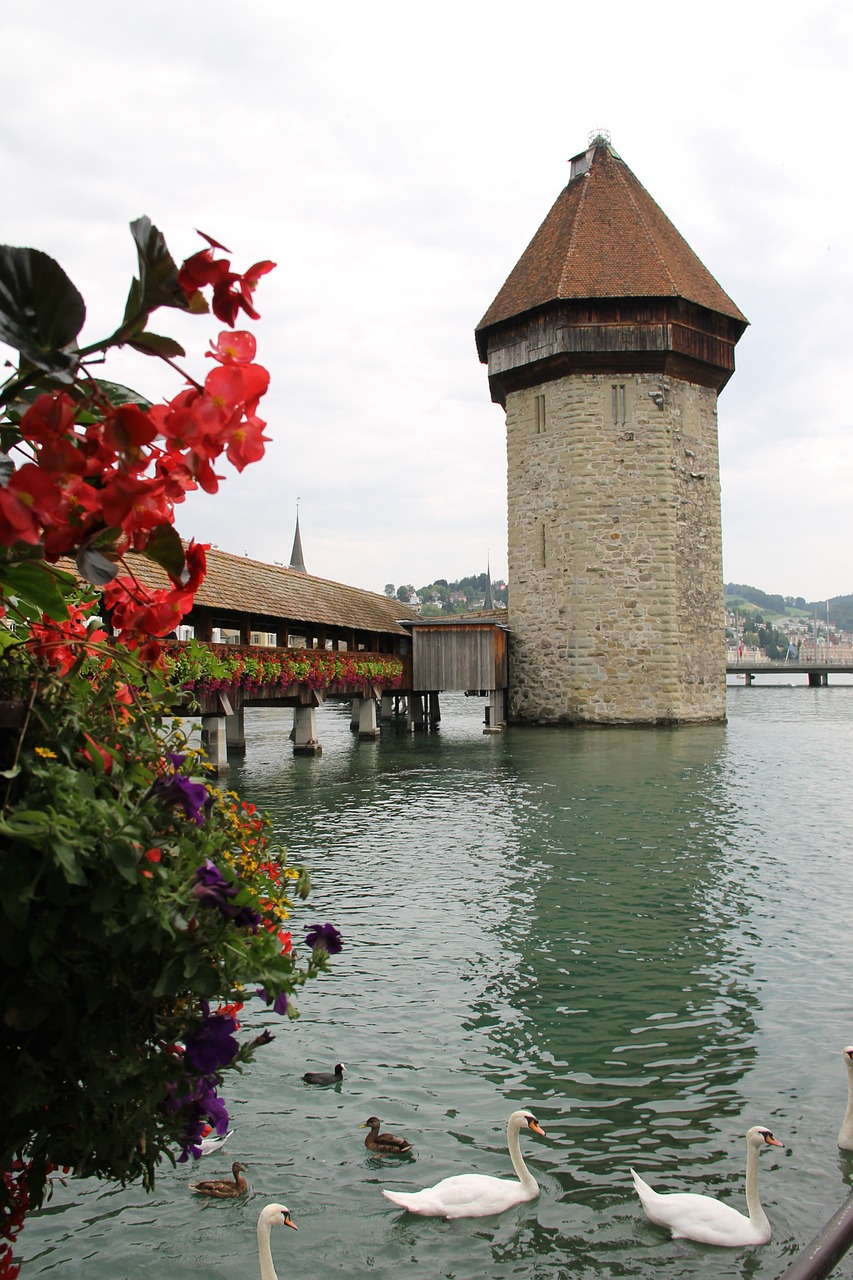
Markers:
840,607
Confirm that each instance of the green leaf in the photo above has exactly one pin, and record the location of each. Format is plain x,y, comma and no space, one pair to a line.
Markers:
67,859
133,308
118,394
158,274
41,311
22,824
38,587
155,344
95,567
124,860
166,549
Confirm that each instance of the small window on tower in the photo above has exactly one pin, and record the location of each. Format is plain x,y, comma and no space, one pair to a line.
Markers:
540,415
619,411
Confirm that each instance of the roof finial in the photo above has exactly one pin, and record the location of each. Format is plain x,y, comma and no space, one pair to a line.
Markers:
599,135
297,561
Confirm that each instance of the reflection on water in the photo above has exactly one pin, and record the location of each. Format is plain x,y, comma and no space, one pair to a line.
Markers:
642,934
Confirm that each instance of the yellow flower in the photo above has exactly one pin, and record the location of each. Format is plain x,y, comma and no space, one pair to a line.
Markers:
45,753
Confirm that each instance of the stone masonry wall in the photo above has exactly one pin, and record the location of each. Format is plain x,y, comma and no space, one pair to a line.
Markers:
615,552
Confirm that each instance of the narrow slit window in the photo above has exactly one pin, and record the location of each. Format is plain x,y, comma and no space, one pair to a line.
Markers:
540,415
542,546
619,411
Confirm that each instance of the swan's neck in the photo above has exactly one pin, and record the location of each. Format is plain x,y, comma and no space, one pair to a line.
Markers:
757,1216
522,1172
265,1252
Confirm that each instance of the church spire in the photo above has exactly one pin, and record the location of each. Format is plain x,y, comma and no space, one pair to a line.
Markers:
297,561
488,602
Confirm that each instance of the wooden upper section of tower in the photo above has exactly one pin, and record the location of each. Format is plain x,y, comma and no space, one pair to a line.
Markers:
607,284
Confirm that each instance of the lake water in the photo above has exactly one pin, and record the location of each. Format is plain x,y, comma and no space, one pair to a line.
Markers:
642,935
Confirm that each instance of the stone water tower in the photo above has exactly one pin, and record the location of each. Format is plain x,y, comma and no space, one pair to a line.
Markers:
607,346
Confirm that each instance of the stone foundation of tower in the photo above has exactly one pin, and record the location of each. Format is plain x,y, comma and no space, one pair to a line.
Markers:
616,607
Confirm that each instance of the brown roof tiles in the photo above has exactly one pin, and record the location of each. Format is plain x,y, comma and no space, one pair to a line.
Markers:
605,237
238,584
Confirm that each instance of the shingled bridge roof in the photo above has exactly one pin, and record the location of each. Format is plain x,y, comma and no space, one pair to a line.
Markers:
236,584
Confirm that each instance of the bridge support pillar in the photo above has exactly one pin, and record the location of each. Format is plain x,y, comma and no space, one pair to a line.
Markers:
495,711
235,733
386,708
305,741
214,743
415,711
368,729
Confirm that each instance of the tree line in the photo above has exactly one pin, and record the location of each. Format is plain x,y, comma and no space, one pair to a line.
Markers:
443,597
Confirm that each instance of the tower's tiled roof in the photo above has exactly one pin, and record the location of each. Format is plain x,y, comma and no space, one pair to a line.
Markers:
606,238
238,584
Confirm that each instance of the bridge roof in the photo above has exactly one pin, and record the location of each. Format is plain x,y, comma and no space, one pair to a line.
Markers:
237,584
605,237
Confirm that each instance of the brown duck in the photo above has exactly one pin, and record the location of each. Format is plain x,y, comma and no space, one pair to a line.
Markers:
384,1144
221,1188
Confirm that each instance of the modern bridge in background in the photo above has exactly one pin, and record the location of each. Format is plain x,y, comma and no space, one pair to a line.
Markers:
817,672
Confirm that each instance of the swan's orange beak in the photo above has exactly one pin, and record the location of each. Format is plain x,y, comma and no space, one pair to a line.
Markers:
537,1128
771,1141
288,1221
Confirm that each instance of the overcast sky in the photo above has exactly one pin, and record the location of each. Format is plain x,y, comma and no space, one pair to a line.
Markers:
395,160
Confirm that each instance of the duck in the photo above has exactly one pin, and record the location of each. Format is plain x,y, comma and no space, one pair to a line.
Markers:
384,1144
475,1195
845,1133
221,1188
326,1077
272,1215
213,1141
706,1219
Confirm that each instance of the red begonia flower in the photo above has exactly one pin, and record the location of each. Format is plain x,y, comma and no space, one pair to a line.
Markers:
128,428
246,444
237,346
195,565
203,269
48,418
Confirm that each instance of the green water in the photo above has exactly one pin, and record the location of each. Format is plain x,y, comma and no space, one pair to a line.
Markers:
642,935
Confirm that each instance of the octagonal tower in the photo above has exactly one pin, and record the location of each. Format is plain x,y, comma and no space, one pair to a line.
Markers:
607,346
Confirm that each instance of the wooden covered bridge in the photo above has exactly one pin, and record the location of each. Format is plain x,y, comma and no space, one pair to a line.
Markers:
267,635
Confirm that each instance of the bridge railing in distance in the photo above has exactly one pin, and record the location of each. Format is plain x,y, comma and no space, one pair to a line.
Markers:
825,1251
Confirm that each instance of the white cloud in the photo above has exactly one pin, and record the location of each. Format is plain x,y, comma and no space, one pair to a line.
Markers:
395,162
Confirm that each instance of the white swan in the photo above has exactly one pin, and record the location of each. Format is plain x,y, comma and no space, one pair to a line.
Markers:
272,1215
474,1195
702,1218
845,1133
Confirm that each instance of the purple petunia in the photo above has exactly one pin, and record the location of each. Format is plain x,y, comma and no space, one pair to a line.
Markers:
279,1005
201,1108
192,797
212,890
325,936
213,1045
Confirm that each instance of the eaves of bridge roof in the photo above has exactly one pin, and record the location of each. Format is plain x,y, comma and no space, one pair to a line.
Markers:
238,585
